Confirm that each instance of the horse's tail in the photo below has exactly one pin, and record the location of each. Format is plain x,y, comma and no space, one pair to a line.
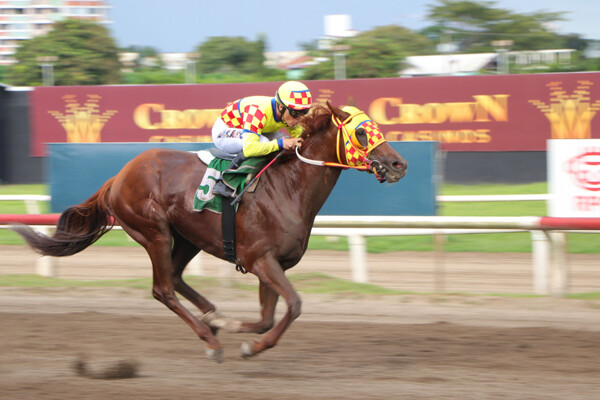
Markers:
77,228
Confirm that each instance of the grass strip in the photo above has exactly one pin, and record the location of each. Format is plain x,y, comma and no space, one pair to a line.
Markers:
308,283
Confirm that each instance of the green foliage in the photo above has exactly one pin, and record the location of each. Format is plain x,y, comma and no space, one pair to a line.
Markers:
147,76
3,73
158,77
86,55
378,53
143,51
322,70
473,25
231,55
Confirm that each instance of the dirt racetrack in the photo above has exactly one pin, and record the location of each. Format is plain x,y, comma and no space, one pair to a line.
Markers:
342,347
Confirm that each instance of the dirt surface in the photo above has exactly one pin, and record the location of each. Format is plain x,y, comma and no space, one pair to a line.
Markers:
342,346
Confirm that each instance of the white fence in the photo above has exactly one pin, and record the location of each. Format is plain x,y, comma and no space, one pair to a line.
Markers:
549,272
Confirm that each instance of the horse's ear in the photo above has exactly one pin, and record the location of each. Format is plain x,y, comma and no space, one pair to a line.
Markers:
342,115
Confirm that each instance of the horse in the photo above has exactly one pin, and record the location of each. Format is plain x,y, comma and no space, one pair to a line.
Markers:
151,199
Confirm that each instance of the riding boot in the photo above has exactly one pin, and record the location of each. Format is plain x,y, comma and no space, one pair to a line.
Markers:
220,188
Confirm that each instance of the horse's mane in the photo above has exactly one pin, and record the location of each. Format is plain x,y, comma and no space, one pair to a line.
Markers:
316,121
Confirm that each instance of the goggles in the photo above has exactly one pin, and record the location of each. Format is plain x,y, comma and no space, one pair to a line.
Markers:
296,113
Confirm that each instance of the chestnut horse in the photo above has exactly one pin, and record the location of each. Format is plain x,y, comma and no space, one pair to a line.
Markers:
152,197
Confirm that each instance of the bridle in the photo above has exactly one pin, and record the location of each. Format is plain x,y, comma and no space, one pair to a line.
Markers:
356,155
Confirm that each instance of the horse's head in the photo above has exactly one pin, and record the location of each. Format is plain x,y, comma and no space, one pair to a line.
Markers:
361,144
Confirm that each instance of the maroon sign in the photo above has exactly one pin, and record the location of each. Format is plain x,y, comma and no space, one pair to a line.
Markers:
471,113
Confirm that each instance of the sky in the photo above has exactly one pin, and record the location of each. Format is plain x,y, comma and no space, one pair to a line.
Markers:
181,25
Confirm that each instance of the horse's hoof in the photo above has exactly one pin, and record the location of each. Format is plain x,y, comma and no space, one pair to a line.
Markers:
215,355
247,350
218,321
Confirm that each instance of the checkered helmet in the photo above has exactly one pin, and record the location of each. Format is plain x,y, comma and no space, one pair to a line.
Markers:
294,95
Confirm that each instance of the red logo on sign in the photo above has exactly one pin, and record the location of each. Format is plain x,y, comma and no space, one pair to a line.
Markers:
585,169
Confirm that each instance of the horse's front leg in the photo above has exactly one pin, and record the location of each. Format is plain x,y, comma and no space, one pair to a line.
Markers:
273,283
268,300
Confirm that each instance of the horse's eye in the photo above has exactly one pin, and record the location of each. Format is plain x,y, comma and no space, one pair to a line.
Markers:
361,132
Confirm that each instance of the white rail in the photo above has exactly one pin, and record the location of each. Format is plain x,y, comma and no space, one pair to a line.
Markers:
548,248
493,197
32,201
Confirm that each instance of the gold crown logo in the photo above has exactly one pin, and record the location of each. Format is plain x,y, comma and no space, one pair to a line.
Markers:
83,123
570,116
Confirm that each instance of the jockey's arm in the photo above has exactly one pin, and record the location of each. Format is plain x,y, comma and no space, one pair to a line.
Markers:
253,147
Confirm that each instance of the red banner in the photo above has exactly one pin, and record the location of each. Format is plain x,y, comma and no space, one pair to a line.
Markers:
470,113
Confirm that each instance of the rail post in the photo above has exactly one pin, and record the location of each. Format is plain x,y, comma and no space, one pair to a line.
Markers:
540,254
196,266
46,265
358,258
439,256
560,269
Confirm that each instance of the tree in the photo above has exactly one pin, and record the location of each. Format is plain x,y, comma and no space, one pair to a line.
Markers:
232,55
473,25
377,53
85,55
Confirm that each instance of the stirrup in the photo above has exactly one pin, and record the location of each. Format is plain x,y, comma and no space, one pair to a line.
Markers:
221,189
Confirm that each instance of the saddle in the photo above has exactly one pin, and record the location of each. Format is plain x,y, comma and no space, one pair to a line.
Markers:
217,161
206,156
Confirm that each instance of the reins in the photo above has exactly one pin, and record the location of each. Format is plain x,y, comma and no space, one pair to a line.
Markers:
239,196
332,164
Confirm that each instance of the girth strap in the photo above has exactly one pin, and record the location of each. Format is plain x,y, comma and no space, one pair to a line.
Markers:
228,228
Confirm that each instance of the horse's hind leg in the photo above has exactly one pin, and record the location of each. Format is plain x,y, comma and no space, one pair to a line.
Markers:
156,239
183,252
163,289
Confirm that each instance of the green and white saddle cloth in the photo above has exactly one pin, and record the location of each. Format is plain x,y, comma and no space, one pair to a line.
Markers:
236,179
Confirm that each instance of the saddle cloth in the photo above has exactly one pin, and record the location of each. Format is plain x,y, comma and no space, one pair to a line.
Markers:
236,179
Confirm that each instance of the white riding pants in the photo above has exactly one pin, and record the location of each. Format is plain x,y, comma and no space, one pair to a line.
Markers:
228,139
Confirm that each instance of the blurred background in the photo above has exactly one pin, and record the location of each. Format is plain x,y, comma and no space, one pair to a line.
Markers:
489,81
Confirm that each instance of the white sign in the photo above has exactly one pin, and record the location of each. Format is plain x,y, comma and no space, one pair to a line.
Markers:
574,177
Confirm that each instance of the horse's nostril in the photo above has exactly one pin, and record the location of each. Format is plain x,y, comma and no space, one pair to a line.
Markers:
400,165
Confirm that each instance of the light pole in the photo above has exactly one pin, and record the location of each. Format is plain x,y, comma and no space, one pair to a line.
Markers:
47,64
502,62
339,61
190,68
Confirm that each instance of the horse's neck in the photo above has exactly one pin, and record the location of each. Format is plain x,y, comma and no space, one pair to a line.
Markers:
307,187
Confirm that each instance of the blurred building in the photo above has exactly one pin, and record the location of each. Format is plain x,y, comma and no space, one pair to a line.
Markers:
25,19
449,64
484,63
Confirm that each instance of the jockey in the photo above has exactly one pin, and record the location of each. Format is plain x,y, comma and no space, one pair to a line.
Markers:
244,125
